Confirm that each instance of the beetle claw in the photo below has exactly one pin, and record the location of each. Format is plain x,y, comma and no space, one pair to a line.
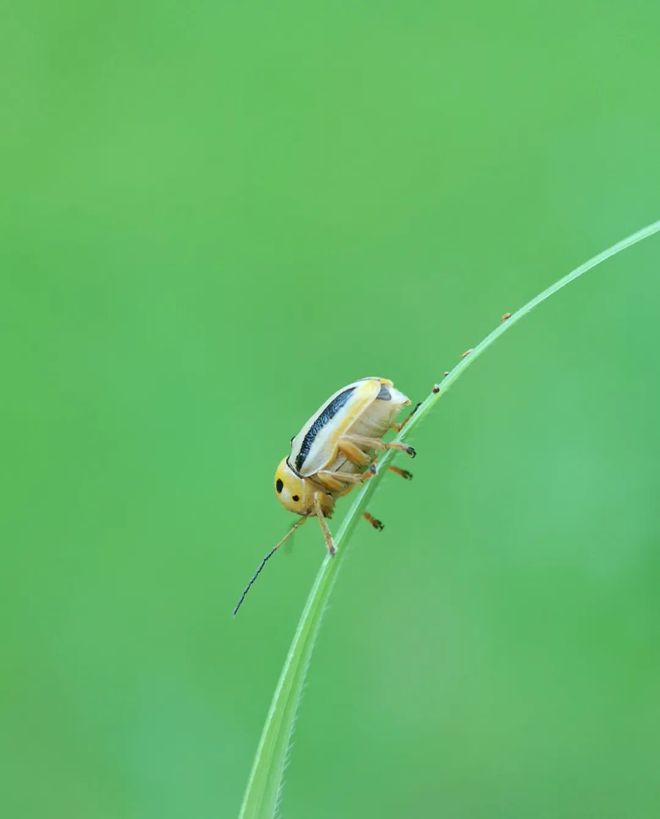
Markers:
412,452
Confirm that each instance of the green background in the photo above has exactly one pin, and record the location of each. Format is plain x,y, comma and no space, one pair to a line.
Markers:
213,216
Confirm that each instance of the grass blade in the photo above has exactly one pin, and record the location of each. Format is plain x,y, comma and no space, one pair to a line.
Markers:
264,786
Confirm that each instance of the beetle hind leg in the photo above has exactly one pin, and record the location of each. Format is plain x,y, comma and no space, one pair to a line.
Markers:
377,524
398,427
353,452
407,476
377,443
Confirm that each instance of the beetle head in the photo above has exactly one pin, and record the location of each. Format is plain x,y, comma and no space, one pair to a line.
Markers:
292,491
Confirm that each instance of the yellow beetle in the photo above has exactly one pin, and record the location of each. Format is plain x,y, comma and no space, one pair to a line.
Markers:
335,451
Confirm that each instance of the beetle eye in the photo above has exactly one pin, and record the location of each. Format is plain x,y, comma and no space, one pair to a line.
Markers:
295,498
279,485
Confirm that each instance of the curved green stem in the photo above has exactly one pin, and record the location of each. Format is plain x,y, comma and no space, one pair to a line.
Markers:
264,786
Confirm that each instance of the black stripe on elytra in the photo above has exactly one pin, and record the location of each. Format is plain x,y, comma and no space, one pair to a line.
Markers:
324,417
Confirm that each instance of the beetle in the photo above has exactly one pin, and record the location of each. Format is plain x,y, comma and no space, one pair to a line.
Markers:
335,451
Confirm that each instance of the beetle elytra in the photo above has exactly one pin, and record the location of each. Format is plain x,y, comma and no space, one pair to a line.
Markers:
336,451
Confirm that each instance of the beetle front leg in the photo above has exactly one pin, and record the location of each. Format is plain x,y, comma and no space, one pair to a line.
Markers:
328,481
376,443
336,481
327,536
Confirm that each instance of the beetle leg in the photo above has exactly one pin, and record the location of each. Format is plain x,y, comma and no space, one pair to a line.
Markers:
377,524
329,542
399,427
328,481
335,481
376,443
353,452
407,476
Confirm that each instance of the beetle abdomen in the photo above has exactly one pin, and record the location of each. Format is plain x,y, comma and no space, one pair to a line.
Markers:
374,422
379,416
366,407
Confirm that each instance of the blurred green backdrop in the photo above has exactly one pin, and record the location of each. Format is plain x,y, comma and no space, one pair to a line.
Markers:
214,215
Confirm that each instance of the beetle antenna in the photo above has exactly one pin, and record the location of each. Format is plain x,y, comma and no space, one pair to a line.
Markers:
295,526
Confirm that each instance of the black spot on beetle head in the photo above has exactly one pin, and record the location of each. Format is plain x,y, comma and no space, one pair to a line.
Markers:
279,485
